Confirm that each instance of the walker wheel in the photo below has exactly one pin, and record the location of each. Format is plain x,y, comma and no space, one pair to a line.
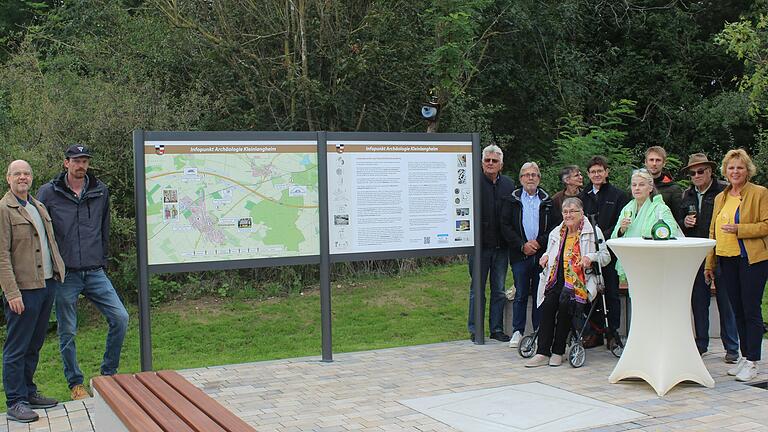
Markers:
527,346
577,355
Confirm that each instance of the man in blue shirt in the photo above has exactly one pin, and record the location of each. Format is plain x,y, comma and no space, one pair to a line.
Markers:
527,216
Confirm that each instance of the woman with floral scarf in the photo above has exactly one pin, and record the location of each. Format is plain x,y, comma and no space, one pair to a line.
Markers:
567,282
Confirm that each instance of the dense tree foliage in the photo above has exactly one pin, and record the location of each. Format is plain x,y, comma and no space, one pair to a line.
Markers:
550,81
747,39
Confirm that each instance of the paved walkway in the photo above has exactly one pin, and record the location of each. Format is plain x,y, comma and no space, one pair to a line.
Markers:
360,391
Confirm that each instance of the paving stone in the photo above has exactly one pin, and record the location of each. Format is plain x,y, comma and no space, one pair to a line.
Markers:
360,391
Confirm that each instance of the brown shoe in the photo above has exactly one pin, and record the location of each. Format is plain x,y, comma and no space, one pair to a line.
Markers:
78,392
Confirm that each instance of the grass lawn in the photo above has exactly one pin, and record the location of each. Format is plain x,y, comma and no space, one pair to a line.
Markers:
425,307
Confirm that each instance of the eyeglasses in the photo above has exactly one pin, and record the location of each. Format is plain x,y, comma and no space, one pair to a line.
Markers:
699,171
489,160
567,212
531,175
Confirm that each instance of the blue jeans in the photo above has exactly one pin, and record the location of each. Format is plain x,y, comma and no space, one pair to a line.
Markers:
96,287
745,284
526,274
495,261
25,337
700,300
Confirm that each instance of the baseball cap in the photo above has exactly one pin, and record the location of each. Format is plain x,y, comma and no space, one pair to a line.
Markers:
77,150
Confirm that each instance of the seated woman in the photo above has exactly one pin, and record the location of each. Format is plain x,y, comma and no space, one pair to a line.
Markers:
567,281
643,211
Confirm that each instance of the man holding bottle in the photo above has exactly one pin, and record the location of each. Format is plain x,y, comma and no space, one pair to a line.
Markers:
696,213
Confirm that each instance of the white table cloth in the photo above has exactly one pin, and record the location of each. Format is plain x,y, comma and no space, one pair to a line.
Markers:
660,347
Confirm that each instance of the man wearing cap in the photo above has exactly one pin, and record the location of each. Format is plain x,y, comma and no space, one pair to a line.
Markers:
29,262
696,210
78,203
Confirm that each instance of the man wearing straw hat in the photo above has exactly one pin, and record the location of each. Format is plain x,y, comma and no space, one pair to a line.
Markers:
695,215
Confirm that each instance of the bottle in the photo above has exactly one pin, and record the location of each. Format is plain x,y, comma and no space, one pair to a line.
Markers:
661,230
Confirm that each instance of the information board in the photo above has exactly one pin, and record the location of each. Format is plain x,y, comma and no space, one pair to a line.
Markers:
399,195
230,200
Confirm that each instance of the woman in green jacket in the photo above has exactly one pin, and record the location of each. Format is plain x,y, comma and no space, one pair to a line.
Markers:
643,211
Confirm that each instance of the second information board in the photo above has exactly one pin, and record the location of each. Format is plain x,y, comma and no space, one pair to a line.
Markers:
399,195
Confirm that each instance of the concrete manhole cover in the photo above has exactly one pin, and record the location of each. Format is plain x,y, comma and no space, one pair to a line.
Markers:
530,407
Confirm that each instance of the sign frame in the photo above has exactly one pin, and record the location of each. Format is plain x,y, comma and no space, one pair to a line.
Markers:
324,259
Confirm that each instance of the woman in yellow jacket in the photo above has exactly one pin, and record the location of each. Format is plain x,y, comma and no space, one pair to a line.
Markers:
740,227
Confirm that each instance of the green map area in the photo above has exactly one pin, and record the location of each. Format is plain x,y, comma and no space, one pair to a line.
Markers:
217,207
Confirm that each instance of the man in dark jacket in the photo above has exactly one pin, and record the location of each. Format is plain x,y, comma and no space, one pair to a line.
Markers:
78,203
696,208
604,201
655,159
495,257
526,220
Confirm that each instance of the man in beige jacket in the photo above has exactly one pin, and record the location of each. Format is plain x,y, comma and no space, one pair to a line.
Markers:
29,261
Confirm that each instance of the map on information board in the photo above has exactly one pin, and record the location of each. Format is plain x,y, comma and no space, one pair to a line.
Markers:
230,200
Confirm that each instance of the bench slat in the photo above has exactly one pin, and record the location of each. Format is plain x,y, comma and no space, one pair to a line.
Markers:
130,413
194,417
205,403
156,409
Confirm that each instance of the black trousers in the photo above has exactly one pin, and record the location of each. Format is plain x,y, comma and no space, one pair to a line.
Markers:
555,324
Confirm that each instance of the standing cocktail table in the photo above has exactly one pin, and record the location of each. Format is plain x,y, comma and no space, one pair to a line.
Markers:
660,346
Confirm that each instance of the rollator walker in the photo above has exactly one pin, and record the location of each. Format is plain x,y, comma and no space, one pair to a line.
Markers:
575,350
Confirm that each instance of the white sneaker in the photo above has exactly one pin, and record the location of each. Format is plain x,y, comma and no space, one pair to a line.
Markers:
537,360
514,341
556,360
748,372
736,369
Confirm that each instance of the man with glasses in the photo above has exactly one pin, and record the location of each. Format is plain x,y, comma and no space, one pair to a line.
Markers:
604,201
671,192
526,220
696,213
29,262
495,258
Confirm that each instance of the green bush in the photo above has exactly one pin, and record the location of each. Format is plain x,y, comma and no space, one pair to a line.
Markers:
579,139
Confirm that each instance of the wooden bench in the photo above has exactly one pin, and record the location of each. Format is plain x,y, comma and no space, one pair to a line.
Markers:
158,402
